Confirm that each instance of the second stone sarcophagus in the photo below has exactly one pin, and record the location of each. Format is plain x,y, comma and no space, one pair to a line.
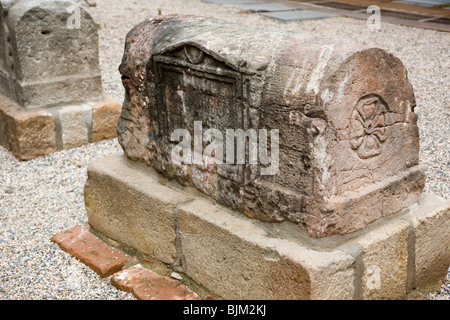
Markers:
44,61
50,83
337,122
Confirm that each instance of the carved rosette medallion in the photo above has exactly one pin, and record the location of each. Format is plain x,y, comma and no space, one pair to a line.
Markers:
367,126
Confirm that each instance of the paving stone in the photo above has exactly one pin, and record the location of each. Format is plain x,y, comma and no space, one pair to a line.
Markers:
27,134
431,225
298,15
74,125
343,6
264,7
236,259
105,116
89,249
422,3
385,258
231,2
148,285
117,210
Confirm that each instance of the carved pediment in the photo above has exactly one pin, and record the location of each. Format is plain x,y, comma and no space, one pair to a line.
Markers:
195,57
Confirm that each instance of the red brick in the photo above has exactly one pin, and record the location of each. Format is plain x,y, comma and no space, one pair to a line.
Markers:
89,249
145,284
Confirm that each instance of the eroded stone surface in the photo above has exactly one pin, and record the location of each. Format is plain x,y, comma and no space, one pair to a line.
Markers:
348,137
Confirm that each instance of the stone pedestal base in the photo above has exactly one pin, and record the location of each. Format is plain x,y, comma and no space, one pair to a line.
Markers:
240,258
32,133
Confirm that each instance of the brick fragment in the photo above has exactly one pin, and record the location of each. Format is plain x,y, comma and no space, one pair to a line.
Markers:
89,249
145,284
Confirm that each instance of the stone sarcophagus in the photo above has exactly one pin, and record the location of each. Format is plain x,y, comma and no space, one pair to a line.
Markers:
50,82
278,127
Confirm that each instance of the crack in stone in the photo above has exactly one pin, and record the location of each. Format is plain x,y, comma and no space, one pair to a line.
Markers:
179,264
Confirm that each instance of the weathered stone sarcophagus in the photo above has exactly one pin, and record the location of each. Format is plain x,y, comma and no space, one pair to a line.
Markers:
42,54
337,122
50,82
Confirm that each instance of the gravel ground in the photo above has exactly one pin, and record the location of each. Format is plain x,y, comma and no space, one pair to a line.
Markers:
41,197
